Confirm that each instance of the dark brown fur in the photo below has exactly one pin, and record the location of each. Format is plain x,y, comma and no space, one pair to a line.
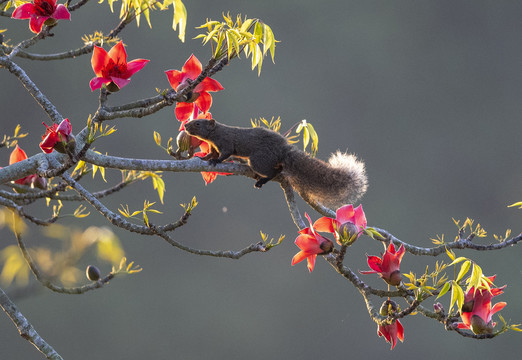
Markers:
269,153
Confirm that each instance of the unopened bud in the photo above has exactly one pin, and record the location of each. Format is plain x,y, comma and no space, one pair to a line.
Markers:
92,273
39,182
183,141
388,307
437,307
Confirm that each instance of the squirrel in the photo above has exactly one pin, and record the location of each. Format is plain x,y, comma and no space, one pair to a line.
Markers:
339,182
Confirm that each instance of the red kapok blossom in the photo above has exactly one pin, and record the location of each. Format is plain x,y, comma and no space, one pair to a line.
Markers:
208,176
311,245
41,12
476,311
112,69
391,332
57,137
348,222
388,266
199,97
32,180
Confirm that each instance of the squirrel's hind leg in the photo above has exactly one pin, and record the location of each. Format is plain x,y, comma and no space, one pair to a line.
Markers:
264,167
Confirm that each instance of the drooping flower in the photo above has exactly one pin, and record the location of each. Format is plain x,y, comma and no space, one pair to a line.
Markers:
41,12
476,311
112,69
387,266
32,180
199,97
393,331
58,137
311,245
347,225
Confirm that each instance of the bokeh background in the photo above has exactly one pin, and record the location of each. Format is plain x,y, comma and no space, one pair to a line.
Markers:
428,93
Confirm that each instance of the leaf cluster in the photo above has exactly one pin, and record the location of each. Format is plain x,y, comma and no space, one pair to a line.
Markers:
230,39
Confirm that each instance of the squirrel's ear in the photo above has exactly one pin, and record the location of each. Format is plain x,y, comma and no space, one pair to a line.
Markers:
212,122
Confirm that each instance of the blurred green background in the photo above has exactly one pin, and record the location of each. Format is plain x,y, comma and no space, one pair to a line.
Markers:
428,93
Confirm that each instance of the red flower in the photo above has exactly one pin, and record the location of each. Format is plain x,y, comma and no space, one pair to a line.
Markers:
199,97
57,137
112,68
347,223
476,311
388,266
40,12
32,180
391,332
311,245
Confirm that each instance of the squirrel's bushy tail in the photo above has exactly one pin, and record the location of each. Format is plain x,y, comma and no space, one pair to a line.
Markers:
339,182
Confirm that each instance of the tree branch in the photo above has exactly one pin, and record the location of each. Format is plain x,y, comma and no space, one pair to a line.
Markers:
25,328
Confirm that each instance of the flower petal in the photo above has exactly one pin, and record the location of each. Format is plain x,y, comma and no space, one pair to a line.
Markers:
325,224
360,217
98,82
135,65
120,82
192,67
23,12
209,177
375,263
61,13
300,256
175,77
183,110
99,60
118,54
308,243
400,331
36,23
17,155
497,307
311,262
65,127
208,84
345,214
204,101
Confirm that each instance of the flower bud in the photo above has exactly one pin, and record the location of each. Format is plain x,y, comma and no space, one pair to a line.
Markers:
39,182
348,233
437,307
92,273
388,307
183,141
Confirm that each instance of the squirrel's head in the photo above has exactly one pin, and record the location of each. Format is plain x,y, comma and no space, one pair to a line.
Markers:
199,126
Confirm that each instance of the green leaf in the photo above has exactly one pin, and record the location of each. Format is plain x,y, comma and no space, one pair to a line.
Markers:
157,138
519,204
457,296
444,289
463,270
180,18
457,260
476,277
